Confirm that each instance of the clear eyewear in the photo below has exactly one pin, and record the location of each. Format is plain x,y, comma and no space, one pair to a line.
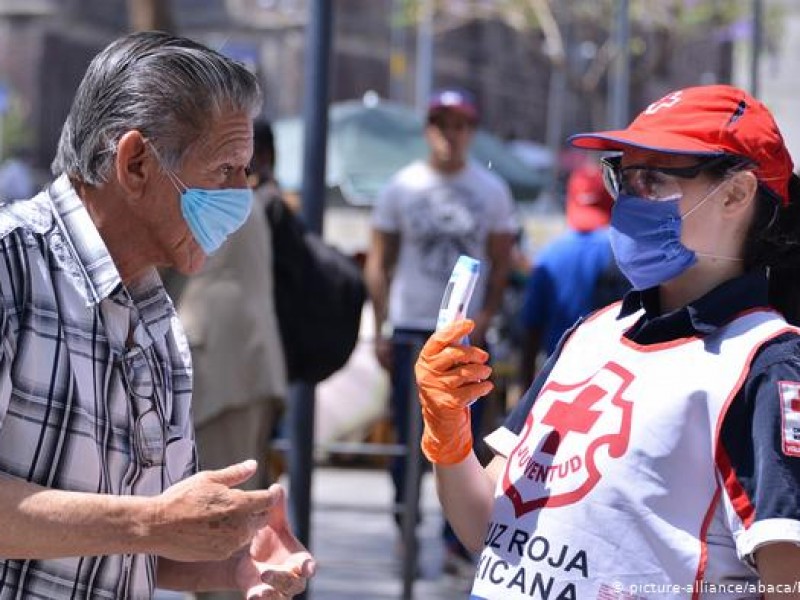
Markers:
142,380
648,182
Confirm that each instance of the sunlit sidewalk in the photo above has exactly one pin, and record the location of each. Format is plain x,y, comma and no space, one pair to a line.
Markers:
354,539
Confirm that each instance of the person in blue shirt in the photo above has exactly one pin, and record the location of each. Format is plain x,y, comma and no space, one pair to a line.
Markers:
574,274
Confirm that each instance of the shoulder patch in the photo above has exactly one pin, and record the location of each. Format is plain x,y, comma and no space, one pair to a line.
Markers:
789,392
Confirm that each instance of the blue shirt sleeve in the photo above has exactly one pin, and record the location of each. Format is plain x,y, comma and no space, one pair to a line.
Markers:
535,305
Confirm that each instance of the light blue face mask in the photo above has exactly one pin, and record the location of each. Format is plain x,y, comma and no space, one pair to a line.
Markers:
213,215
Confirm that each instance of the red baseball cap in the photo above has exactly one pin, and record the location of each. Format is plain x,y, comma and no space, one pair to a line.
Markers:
708,120
588,204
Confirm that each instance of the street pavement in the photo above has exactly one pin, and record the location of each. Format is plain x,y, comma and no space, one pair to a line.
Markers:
354,539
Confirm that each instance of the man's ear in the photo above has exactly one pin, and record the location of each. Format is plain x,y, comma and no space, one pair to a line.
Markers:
135,163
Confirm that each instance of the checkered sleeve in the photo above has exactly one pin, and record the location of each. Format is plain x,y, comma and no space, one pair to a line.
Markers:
10,282
5,361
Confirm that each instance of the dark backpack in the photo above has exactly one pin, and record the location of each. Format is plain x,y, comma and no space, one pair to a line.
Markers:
319,294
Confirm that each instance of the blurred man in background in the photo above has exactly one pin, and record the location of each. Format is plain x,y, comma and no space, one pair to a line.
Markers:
430,213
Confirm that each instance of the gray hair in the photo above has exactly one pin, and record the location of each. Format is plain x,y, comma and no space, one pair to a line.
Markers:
167,87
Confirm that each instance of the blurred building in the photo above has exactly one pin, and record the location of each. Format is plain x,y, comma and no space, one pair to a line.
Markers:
45,46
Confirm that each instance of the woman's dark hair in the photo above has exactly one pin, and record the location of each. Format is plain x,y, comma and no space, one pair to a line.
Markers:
773,242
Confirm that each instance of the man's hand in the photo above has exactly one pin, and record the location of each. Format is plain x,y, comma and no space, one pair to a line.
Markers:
449,379
383,352
275,565
204,518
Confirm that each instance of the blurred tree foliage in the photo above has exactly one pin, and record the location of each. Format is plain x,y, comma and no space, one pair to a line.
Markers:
16,134
656,27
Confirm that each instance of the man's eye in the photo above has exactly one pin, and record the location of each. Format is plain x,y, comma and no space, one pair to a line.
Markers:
227,170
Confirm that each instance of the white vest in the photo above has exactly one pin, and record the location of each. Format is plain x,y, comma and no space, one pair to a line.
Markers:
612,487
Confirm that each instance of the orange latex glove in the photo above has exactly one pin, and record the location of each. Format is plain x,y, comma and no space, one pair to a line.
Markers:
449,378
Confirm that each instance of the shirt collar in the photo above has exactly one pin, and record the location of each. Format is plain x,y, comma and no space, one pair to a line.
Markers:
154,306
707,313
87,259
636,300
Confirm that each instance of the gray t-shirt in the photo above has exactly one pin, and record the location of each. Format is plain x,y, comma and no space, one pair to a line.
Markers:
438,218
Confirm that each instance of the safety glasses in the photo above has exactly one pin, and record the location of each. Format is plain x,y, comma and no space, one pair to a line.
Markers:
649,182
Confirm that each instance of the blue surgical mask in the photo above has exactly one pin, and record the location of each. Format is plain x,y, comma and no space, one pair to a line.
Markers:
213,215
646,239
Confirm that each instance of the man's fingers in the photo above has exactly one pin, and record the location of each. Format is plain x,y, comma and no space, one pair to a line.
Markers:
259,520
278,493
284,580
258,502
264,592
234,474
307,567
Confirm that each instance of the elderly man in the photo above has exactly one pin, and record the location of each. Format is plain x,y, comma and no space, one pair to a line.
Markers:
100,497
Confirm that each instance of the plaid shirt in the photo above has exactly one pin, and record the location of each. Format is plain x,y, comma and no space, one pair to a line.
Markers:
81,409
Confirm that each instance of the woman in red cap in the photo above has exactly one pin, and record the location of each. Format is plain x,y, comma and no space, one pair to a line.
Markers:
658,452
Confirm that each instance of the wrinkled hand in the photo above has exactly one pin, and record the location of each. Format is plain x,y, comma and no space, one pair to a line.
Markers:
204,518
275,565
449,379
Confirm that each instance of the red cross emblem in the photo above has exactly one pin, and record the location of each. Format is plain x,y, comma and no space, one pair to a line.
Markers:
555,462
576,416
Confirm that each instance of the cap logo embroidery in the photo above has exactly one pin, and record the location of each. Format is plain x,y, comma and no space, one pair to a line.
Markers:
738,113
666,102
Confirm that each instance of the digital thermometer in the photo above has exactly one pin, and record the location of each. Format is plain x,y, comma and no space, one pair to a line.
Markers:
458,292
